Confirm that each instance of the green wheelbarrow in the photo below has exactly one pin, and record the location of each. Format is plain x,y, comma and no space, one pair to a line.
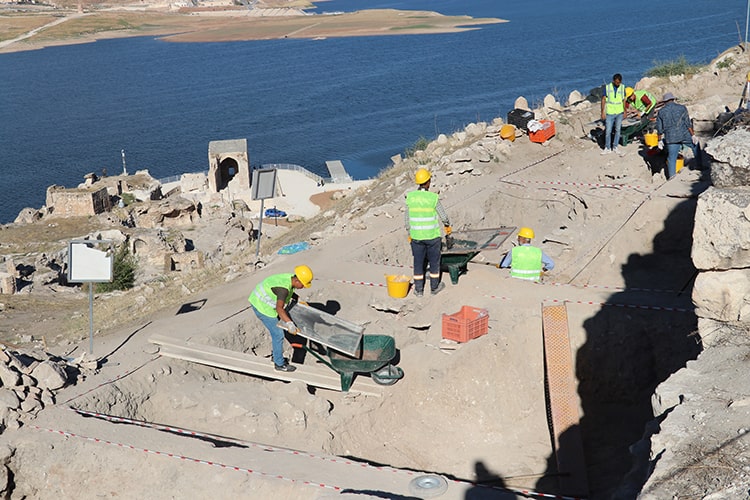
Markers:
375,356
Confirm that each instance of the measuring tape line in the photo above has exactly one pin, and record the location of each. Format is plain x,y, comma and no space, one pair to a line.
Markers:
629,306
579,184
119,377
186,458
366,283
177,430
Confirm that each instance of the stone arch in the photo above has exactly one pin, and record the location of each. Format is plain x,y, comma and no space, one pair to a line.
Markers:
228,162
228,168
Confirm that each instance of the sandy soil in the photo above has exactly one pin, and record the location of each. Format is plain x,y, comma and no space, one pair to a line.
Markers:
474,413
28,31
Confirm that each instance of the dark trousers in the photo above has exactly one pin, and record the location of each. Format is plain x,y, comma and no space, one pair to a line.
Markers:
429,251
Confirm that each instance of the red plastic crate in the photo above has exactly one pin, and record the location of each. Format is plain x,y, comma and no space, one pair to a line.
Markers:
545,134
468,323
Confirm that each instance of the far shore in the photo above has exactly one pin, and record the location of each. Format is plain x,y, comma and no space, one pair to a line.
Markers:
39,28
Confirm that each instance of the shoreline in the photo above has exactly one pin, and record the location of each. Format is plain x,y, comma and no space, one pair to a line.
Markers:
35,30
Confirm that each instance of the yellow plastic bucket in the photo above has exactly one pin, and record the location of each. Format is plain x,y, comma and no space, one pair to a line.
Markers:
651,139
679,163
508,132
398,285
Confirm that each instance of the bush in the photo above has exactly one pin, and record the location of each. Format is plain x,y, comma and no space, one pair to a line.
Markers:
420,145
725,63
680,66
123,272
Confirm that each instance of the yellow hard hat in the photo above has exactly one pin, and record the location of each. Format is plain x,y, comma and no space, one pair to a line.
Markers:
629,91
304,275
526,232
423,175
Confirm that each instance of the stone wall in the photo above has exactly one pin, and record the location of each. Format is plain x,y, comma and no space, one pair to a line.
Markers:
63,202
721,240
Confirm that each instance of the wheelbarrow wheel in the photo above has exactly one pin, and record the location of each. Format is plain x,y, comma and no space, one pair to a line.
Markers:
428,486
387,375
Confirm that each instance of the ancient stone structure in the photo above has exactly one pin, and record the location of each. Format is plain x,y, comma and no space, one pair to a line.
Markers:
64,202
228,161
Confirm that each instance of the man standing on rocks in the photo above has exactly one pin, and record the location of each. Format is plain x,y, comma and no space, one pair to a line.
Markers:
422,217
675,130
613,108
269,301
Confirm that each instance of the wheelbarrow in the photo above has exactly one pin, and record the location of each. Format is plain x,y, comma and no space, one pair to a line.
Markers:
375,356
465,245
344,348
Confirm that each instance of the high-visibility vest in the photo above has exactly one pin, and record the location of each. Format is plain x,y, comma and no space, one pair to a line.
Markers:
423,218
639,105
526,262
615,99
264,300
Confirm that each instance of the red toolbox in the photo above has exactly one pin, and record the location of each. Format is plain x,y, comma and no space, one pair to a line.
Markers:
548,130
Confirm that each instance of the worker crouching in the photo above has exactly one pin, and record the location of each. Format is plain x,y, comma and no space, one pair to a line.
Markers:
422,219
270,300
527,262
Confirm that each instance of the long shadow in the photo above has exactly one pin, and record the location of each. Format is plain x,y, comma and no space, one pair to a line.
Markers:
630,350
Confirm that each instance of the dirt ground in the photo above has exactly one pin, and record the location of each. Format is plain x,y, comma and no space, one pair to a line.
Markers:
150,426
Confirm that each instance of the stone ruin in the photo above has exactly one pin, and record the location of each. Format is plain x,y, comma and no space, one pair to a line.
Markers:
721,239
228,161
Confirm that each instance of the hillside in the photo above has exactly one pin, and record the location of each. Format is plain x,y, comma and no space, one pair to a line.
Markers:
149,426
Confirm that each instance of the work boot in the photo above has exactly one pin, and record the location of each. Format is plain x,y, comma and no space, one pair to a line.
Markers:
418,293
286,367
438,289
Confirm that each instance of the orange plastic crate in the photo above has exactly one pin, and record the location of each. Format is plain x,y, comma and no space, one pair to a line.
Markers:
468,323
545,134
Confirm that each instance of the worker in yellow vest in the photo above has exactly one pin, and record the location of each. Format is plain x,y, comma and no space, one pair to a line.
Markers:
639,103
422,218
613,109
269,301
525,261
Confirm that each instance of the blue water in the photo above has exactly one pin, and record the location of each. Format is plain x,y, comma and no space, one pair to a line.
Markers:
67,111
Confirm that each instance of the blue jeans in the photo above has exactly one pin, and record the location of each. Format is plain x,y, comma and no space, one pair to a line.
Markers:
616,121
426,250
673,150
277,336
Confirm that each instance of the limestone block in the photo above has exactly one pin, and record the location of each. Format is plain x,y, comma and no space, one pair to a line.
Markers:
714,333
9,399
731,158
721,234
7,284
575,97
551,102
720,295
673,391
9,376
521,103
31,405
49,375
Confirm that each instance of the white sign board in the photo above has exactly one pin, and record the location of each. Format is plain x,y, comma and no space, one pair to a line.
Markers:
264,183
88,264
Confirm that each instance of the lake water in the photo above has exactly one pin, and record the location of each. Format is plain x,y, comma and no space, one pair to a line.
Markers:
67,111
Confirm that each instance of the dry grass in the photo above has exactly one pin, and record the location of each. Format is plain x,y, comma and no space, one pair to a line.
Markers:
12,26
48,235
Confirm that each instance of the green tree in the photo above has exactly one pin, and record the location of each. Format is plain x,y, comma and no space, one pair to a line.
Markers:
123,271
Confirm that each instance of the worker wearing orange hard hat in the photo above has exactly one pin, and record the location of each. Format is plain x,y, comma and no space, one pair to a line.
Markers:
269,301
525,261
422,218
